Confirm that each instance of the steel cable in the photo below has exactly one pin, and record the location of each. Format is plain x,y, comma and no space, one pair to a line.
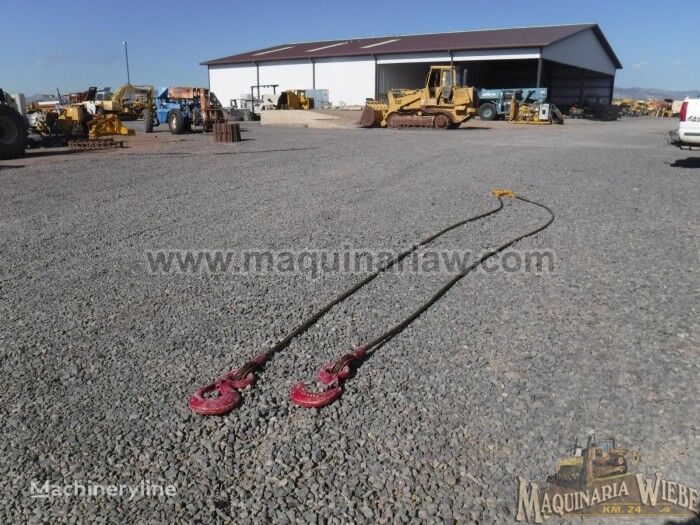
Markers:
490,253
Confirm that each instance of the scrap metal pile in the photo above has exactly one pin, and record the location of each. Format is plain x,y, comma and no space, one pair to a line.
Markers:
630,107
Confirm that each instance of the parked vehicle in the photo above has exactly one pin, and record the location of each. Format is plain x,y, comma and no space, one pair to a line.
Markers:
184,107
688,133
13,127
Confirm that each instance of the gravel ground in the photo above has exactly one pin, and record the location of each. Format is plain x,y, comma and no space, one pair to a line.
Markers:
496,380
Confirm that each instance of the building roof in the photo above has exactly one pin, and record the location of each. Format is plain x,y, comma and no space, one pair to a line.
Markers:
459,41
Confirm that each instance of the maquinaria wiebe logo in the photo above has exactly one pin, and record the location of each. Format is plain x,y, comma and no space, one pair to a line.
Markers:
596,481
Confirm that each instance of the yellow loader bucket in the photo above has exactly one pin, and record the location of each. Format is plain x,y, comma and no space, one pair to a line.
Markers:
373,114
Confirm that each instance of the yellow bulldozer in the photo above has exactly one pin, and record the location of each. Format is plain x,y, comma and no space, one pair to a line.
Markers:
445,102
595,462
294,99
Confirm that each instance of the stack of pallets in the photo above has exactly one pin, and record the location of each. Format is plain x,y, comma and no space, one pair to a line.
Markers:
227,132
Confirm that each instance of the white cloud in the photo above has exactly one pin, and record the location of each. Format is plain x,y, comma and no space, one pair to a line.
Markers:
640,65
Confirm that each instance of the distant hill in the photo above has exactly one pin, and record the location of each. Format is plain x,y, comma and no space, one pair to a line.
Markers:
651,93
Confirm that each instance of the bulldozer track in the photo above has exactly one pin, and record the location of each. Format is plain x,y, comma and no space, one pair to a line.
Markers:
436,119
95,144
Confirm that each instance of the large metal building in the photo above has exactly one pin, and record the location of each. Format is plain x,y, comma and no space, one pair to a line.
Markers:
572,61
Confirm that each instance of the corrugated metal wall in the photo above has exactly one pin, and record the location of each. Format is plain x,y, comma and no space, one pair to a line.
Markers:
349,81
231,81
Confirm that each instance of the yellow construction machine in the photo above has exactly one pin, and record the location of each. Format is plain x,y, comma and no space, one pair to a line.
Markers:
105,125
534,113
74,120
69,120
445,102
294,99
128,101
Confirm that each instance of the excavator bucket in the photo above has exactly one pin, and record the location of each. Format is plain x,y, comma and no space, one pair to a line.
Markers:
372,114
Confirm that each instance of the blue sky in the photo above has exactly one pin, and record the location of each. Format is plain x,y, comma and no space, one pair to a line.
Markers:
73,45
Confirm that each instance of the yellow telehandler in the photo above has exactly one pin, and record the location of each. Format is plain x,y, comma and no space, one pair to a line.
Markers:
445,102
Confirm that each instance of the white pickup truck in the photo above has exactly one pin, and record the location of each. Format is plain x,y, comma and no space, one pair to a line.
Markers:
688,134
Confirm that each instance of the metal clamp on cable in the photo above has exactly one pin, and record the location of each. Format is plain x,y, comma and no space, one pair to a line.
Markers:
331,374
222,395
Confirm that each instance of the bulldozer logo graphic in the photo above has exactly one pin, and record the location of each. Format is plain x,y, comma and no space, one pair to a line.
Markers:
600,479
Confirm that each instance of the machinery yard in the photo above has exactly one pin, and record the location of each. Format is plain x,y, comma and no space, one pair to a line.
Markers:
496,380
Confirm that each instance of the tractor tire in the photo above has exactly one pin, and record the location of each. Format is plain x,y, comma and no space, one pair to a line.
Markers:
557,115
175,122
148,120
487,111
13,133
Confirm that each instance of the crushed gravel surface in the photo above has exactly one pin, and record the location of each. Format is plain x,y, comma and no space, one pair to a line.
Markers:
497,380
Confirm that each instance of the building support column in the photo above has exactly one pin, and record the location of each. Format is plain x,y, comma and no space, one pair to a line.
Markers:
376,78
313,74
539,70
257,76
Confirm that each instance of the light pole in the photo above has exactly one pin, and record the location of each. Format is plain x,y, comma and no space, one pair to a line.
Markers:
126,54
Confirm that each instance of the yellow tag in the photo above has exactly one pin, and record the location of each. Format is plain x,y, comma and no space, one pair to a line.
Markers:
502,193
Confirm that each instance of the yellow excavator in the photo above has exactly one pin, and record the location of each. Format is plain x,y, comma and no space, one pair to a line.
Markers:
445,102
132,107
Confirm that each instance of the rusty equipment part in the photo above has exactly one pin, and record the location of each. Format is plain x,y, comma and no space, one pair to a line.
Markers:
660,108
444,97
373,114
205,400
68,120
629,107
104,125
337,373
431,120
227,132
209,108
95,144
396,120
82,96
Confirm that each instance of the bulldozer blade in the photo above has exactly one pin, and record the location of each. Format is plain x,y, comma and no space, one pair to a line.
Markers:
370,117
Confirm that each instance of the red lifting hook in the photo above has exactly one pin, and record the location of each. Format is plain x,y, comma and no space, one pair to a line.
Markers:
331,374
223,392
